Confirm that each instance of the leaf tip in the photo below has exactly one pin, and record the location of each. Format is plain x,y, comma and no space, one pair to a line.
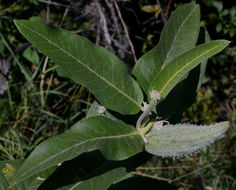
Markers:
17,22
225,43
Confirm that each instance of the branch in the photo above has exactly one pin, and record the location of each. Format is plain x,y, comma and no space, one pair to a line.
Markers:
164,20
168,9
126,31
103,23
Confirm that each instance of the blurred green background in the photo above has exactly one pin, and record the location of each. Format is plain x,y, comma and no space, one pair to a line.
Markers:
37,101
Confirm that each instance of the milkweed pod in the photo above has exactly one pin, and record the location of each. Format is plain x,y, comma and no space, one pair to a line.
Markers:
182,139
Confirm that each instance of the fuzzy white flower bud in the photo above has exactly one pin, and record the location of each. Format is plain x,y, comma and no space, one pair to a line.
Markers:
159,124
155,95
101,110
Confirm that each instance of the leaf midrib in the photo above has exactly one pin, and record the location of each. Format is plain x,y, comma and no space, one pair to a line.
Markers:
83,64
76,185
81,143
173,76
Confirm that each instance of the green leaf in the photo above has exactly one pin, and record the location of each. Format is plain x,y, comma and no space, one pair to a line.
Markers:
111,172
176,69
116,141
179,34
181,139
101,182
93,66
150,8
89,165
75,170
62,73
219,27
32,183
183,94
31,56
218,5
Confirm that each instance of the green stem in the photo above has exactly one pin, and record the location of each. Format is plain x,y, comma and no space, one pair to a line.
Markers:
145,114
147,128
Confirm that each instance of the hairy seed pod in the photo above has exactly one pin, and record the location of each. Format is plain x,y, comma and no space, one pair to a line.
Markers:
182,139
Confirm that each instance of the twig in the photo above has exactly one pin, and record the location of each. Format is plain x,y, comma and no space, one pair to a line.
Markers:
46,58
164,20
158,178
85,28
191,173
163,168
168,9
151,176
78,31
114,17
52,3
64,16
42,80
148,20
201,176
30,129
103,23
48,12
144,40
67,93
126,31
98,34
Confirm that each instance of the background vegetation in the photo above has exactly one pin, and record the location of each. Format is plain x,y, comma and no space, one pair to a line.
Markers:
37,101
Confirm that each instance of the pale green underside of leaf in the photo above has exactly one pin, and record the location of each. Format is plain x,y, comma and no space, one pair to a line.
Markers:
182,139
93,66
176,69
101,182
179,34
116,141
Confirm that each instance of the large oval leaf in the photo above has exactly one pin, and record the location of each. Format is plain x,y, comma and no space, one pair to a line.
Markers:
179,34
181,139
92,66
116,140
176,69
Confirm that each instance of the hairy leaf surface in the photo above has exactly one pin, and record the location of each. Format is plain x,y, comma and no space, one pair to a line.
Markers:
116,141
181,139
93,66
179,34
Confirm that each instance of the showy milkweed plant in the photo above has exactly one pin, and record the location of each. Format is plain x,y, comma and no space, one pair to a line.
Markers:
162,84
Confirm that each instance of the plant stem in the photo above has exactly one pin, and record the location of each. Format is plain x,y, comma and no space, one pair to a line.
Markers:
144,114
147,128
